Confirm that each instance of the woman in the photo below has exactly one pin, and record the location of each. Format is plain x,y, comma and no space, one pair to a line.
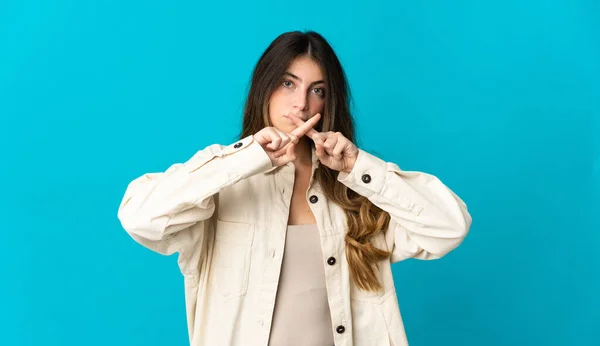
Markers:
287,236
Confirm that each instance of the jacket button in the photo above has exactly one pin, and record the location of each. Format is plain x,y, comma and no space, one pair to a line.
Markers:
331,261
340,329
237,145
313,199
366,178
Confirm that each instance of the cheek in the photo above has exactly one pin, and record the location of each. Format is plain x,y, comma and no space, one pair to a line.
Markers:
317,105
276,102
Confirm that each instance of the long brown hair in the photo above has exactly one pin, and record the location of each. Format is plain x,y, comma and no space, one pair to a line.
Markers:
364,219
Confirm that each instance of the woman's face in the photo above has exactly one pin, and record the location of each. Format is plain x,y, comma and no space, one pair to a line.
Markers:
302,92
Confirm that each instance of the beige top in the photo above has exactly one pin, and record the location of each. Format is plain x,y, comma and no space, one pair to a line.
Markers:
301,316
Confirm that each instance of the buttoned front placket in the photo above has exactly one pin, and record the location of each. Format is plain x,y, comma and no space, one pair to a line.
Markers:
332,245
284,184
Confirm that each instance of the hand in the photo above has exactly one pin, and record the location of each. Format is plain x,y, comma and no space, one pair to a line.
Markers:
279,145
333,149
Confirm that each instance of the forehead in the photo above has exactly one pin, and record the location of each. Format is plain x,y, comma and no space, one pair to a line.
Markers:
307,69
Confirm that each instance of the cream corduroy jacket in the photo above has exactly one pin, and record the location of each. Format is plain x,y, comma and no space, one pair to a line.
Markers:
225,212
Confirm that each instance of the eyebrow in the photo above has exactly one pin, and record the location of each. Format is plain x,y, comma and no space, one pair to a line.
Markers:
298,78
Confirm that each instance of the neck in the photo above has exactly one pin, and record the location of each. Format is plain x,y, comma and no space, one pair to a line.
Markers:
303,153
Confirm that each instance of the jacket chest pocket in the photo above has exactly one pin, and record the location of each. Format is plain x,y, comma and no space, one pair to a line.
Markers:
231,257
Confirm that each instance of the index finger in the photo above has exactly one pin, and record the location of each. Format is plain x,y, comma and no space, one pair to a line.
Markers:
305,127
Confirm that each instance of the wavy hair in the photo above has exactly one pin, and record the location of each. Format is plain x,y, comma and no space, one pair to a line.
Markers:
364,219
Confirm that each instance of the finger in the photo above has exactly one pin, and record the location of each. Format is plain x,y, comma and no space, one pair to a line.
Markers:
264,137
275,139
280,152
284,139
311,133
330,143
319,138
286,154
283,150
339,149
319,150
296,120
293,138
304,127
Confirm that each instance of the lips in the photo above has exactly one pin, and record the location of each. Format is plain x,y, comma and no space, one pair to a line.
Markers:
301,117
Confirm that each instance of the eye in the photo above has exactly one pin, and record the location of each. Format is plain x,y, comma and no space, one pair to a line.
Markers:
319,91
288,83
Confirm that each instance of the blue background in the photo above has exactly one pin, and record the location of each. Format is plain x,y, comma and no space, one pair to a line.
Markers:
500,99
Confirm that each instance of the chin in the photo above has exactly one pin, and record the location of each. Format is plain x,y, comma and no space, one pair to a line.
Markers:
283,124
284,128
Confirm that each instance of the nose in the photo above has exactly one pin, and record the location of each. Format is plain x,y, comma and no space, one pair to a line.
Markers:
300,101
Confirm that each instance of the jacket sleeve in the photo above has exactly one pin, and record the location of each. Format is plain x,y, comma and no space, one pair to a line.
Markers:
165,211
428,220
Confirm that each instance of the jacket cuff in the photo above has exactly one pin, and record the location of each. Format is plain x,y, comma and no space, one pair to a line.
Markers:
368,175
252,158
